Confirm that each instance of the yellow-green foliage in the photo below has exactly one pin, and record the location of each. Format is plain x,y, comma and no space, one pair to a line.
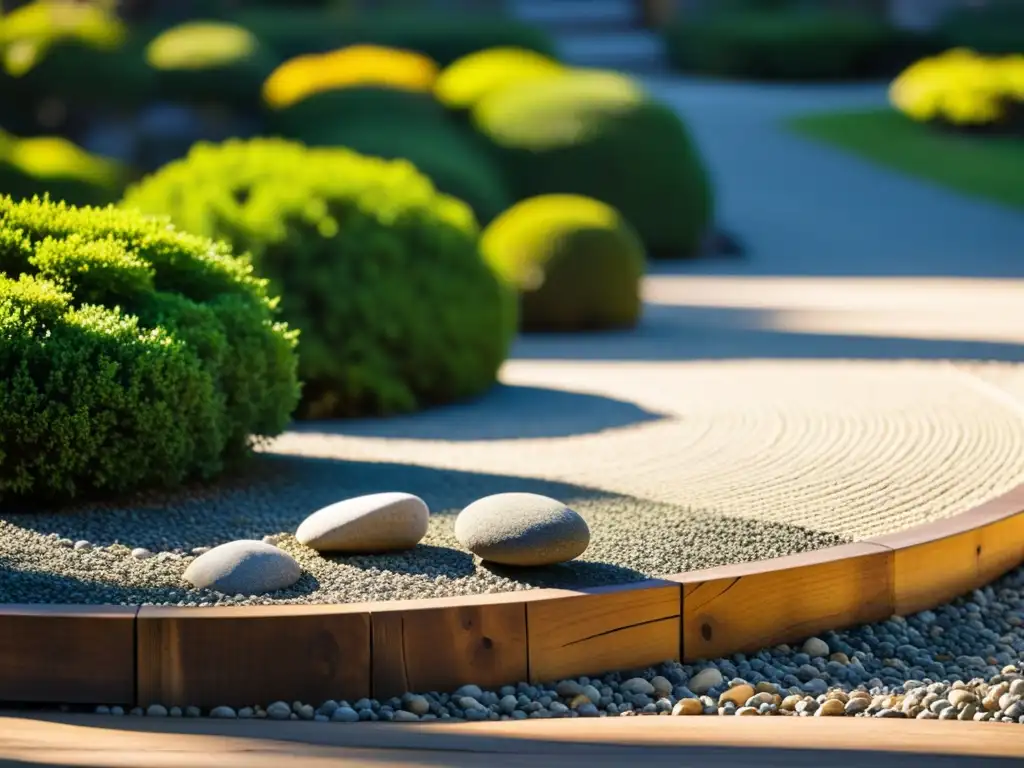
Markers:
53,165
576,262
28,32
355,66
961,87
601,135
463,83
381,274
131,355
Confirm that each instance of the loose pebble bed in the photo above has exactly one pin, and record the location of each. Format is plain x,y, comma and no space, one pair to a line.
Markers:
137,553
963,661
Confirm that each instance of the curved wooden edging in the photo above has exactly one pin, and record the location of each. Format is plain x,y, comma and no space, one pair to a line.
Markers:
247,655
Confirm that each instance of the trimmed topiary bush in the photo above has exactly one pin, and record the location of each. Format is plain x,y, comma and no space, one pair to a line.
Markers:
576,262
464,82
53,165
795,44
600,135
132,355
210,61
382,274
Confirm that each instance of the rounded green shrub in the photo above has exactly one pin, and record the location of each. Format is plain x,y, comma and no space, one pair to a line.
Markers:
132,356
600,135
791,44
210,62
380,273
576,262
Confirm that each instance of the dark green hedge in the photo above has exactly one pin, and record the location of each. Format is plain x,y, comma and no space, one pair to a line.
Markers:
132,356
997,29
792,45
601,136
296,31
381,274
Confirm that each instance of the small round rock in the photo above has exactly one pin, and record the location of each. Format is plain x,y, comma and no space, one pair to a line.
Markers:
244,567
225,713
378,522
141,553
522,529
816,648
705,680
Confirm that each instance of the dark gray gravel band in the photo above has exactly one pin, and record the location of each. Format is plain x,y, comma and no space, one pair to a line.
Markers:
632,539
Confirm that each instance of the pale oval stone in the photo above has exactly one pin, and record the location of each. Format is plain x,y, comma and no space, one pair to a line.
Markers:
244,567
522,529
379,522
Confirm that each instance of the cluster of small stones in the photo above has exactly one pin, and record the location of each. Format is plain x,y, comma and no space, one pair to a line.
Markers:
963,661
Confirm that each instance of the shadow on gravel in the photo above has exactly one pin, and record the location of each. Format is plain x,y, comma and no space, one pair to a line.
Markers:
504,413
49,587
722,333
632,538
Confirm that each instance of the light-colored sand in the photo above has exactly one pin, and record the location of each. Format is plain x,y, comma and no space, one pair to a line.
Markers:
854,448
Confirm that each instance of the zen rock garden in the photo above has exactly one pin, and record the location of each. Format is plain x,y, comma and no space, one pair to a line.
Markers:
511,529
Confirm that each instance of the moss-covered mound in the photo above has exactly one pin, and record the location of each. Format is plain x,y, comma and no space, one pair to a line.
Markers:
600,135
132,356
576,262
380,272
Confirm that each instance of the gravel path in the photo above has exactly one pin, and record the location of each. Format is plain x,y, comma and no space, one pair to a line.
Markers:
676,466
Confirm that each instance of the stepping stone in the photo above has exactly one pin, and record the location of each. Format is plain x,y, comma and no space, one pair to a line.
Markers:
522,529
244,567
379,522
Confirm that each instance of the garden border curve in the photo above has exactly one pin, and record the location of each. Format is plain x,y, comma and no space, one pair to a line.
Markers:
139,655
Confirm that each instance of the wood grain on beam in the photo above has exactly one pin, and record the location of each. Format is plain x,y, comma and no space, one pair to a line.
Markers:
252,655
593,631
424,646
939,561
745,607
67,653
